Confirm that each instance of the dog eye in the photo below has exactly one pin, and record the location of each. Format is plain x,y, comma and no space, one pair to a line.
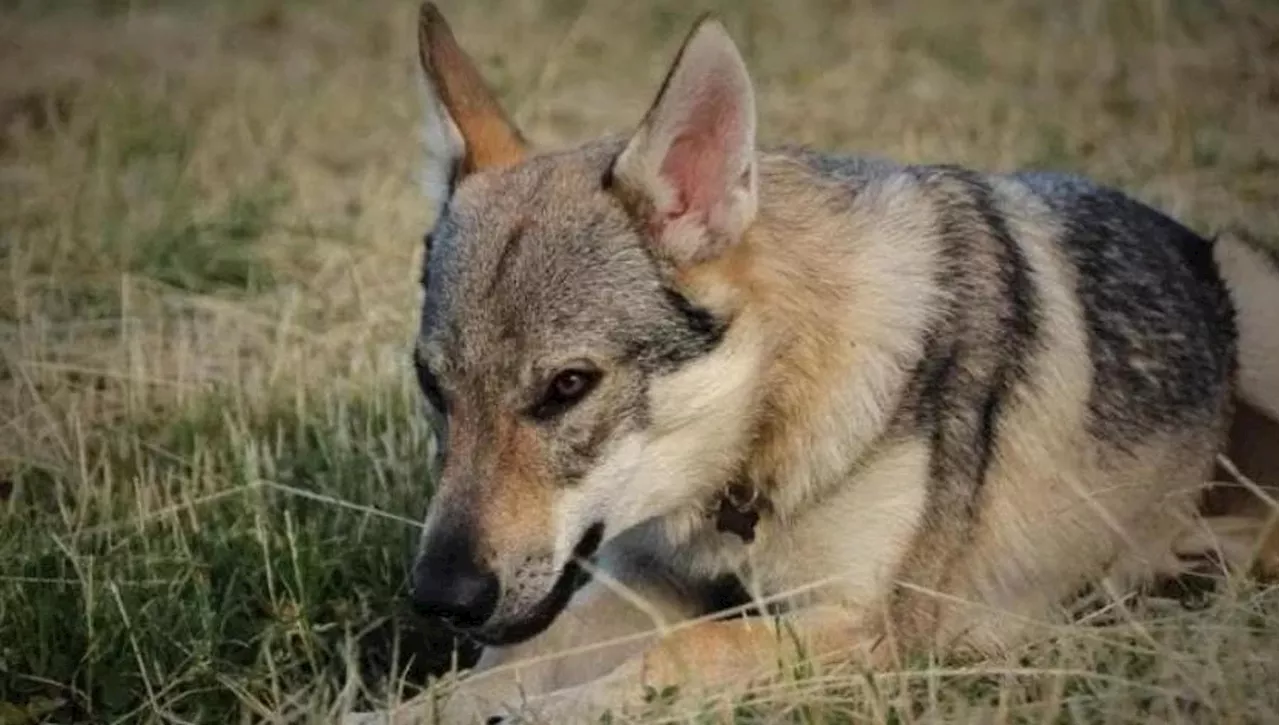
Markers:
569,385
566,388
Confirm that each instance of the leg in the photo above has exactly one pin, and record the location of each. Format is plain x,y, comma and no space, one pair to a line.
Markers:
598,631
712,663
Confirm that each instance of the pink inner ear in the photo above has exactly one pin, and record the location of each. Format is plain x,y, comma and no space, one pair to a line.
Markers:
696,164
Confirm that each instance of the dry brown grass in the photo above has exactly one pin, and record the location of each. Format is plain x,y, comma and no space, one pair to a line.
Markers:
210,246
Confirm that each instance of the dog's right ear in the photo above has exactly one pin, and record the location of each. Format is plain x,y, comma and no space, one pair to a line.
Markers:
466,129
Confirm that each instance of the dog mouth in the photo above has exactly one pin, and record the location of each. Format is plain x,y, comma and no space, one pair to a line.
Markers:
542,614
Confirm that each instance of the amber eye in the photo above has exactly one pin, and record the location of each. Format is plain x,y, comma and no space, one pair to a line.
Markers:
569,385
566,389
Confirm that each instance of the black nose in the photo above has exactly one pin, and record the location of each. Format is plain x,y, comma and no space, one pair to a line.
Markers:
450,584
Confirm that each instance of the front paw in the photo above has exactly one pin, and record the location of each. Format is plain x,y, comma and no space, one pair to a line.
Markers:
491,700
480,702
544,712
581,705
458,705
463,708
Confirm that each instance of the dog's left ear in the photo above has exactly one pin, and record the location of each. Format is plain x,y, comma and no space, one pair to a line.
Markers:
689,172
466,129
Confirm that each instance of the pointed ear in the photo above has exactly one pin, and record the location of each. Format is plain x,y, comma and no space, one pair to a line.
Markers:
689,172
466,129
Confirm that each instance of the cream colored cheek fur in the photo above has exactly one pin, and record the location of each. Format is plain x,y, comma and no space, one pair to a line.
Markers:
701,424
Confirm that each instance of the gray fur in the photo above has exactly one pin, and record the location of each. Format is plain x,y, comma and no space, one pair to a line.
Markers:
571,278
1161,327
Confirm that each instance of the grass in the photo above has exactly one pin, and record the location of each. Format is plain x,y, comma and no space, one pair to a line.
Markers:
211,456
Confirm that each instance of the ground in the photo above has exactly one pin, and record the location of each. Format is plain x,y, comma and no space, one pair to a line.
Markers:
211,455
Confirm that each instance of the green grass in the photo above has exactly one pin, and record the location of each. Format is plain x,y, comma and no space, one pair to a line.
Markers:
139,212
211,454
190,566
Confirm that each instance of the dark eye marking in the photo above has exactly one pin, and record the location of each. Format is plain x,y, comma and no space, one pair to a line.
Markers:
569,387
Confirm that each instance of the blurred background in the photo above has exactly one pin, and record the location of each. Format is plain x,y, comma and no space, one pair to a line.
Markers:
211,461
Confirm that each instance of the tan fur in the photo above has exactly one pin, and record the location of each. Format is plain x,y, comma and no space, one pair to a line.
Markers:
788,281
863,530
1022,505
1051,532
709,662
598,632
830,297
517,508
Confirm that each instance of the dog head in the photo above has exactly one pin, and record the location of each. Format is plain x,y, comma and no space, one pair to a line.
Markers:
583,374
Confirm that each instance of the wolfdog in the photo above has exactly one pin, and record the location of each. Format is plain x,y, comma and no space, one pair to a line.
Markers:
888,408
